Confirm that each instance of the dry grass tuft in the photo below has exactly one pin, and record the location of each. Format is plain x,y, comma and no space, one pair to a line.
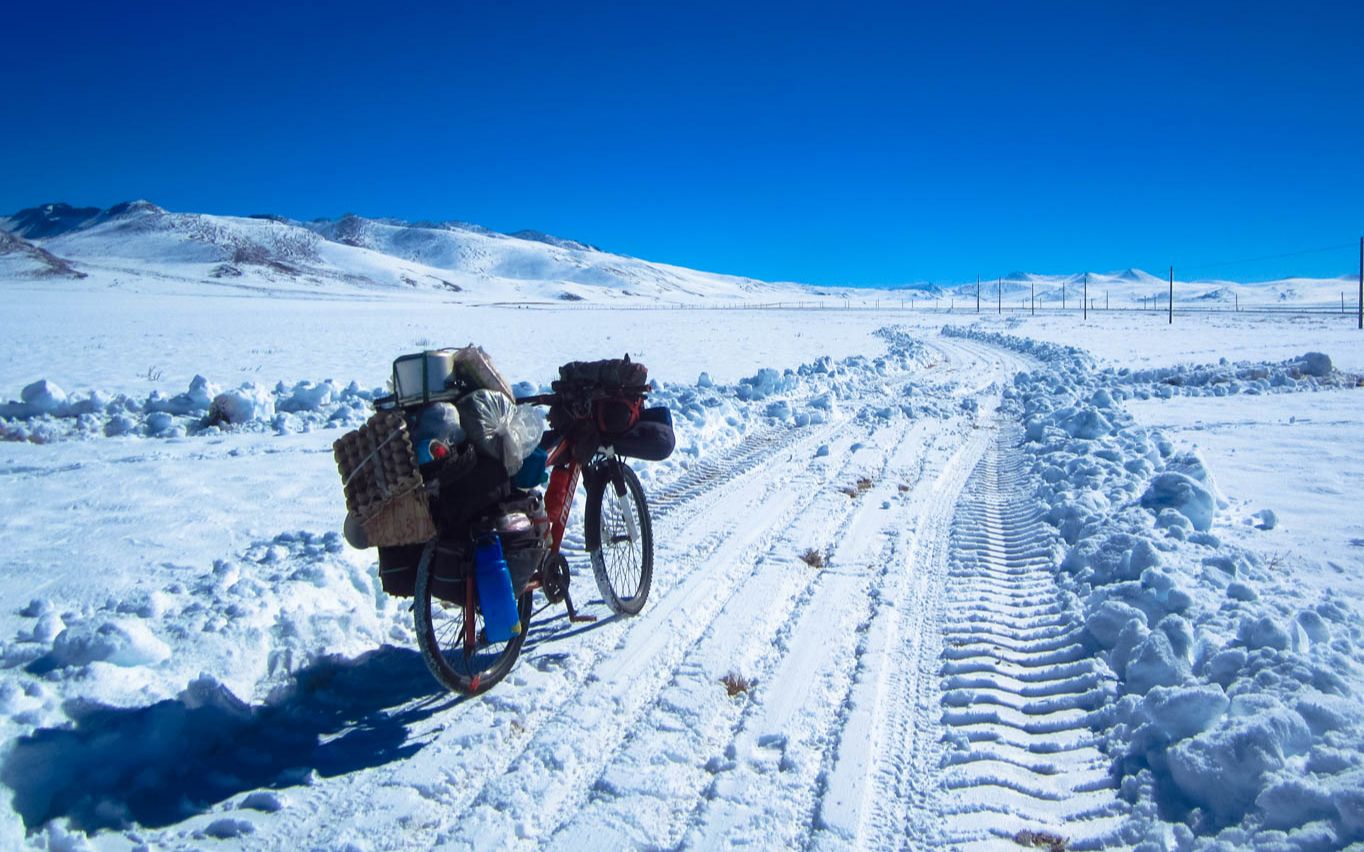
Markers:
1041,840
735,684
813,558
864,485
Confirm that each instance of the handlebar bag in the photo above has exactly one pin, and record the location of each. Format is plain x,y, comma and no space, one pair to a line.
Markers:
611,372
609,392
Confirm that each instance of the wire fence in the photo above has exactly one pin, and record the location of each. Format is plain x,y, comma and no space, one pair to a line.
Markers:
1158,310
1073,302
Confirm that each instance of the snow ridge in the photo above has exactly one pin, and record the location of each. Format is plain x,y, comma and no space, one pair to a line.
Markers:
1233,721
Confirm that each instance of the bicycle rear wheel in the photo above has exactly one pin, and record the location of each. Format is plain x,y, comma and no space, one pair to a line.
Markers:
619,539
451,636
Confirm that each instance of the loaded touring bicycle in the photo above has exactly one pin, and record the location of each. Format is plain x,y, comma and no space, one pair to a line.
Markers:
467,497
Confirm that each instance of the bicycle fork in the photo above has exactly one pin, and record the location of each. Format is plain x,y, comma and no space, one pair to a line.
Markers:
622,495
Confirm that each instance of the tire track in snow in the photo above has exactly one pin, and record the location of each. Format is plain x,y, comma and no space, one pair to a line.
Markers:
685,742
870,781
1018,688
709,473
694,735
781,756
881,774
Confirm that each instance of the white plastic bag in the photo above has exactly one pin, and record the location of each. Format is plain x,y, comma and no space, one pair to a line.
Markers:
499,428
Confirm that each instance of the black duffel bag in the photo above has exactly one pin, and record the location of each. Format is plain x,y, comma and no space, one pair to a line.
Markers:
470,484
651,439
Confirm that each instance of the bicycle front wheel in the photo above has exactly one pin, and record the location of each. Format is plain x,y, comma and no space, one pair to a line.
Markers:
619,539
451,635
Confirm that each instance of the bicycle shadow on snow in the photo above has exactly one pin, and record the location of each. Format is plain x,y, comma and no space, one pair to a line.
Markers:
547,631
159,764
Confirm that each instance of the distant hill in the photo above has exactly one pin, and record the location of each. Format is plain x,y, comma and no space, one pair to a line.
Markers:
273,252
20,258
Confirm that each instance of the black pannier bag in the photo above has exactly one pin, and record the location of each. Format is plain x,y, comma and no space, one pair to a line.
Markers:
449,570
398,569
651,439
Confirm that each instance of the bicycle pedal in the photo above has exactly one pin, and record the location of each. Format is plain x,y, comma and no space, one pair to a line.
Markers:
579,619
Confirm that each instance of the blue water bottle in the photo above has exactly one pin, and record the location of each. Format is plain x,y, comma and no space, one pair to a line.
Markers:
501,621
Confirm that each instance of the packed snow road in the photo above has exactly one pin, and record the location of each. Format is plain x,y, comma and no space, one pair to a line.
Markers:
805,564
621,733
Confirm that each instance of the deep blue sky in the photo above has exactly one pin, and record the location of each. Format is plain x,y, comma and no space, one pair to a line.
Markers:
834,143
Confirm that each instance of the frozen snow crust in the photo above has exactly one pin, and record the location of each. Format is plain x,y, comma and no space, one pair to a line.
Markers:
1236,713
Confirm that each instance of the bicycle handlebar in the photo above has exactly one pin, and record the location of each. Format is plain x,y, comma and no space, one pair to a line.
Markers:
552,398
538,399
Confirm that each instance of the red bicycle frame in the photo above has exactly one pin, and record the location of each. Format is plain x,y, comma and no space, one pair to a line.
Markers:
563,483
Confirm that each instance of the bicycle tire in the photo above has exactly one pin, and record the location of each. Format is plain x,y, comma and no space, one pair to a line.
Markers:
449,664
623,568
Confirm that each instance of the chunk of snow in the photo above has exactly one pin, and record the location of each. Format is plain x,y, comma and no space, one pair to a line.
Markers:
244,404
1221,769
43,397
1181,712
124,643
1185,495
1315,364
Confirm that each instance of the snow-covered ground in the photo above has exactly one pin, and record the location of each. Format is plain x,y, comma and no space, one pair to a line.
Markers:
1054,602
1303,462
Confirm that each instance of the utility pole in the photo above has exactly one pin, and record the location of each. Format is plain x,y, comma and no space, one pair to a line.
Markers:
1034,298
1105,300
1085,306
977,294
1063,295
1361,282
999,295
1172,296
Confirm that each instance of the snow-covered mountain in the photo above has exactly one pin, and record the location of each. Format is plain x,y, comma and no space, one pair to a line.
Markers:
275,253
140,241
